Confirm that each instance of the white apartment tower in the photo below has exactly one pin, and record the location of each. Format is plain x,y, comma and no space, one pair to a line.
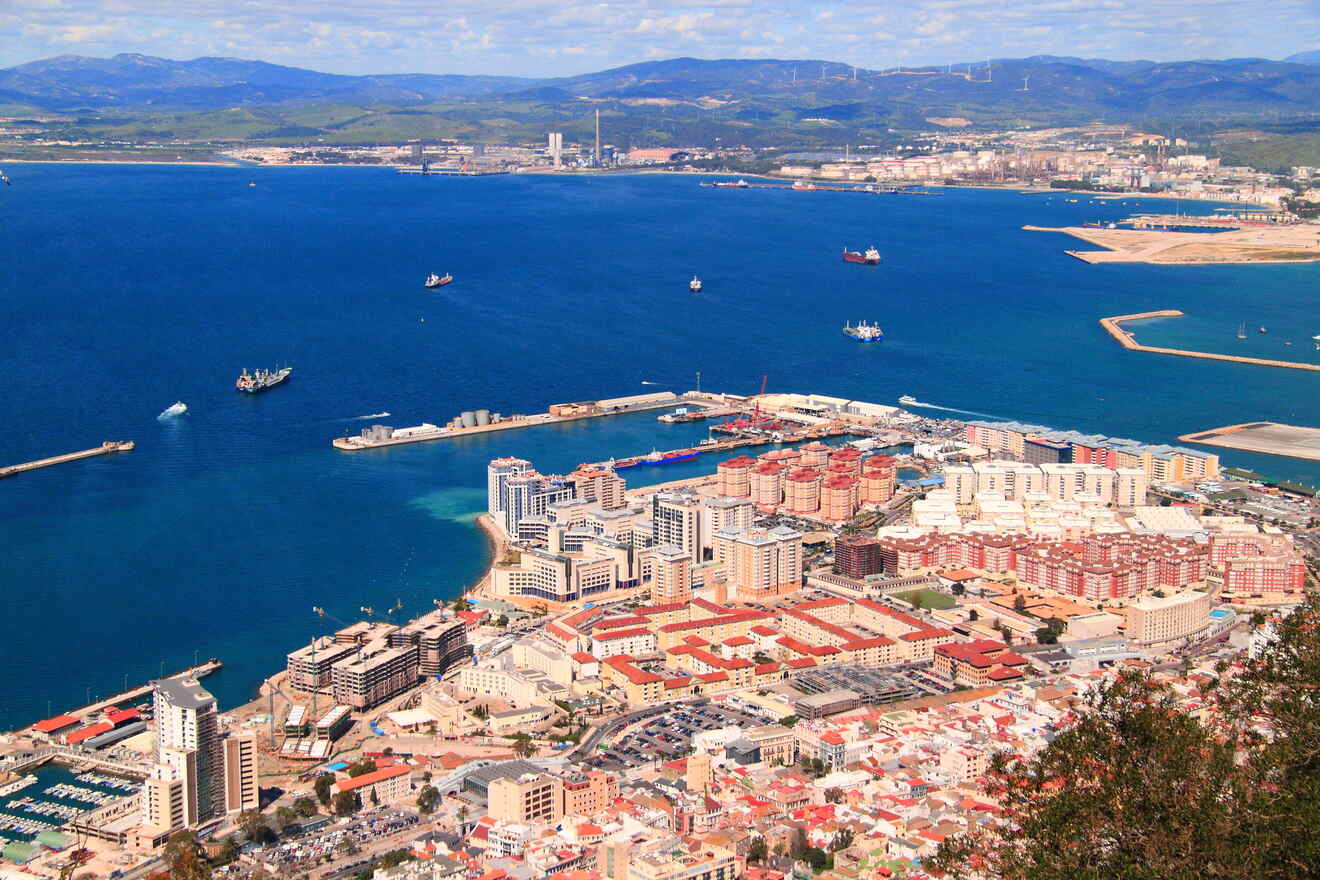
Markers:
188,740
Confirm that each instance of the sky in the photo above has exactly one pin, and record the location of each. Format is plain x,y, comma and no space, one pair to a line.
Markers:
564,37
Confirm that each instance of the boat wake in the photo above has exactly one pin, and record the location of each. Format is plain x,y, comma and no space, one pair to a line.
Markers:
379,415
966,412
177,408
645,382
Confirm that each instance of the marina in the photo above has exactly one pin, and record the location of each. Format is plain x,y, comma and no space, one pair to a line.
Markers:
105,448
1114,327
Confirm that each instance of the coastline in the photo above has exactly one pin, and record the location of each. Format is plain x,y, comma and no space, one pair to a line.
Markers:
496,547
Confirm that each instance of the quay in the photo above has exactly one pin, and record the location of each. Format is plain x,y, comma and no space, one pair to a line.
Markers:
1113,326
482,422
105,448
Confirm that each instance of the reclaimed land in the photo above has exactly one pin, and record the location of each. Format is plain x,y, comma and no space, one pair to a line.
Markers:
1114,327
1270,438
1256,244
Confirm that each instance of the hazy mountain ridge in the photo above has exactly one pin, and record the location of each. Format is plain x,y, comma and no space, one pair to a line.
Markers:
675,101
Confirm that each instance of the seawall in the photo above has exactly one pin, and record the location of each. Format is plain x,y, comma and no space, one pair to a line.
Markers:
1113,326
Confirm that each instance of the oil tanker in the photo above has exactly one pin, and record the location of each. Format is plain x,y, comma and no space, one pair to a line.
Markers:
870,258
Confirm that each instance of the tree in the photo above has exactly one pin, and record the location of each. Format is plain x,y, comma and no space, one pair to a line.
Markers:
305,807
481,711
1134,789
973,614
843,838
957,589
322,788
228,851
916,600
833,795
366,765
523,747
800,843
375,799
183,855
428,799
346,803
788,720
254,826
1019,603
758,851
284,817
462,814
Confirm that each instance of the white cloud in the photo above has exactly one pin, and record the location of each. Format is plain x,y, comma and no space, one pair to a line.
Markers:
552,37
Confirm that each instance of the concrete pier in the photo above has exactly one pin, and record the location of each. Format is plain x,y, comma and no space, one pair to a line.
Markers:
105,448
1113,326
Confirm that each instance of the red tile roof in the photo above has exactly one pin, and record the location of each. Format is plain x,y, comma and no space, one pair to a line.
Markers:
373,777
59,722
86,733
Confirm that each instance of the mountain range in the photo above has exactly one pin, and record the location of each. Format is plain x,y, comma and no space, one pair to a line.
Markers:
683,99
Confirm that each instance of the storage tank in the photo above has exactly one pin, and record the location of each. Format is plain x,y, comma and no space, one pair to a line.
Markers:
483,417
469,418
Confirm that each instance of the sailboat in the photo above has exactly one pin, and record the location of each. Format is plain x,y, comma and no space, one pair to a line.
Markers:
1242,330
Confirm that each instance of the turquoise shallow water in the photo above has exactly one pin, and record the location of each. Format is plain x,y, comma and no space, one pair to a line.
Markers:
123,289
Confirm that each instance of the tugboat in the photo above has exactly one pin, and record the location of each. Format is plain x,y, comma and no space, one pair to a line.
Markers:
695,284
434,280
864,332
260,380
870,258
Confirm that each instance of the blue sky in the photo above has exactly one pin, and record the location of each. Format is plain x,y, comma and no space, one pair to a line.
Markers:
558,37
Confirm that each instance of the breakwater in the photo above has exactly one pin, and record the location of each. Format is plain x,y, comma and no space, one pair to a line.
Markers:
1114,327
105,448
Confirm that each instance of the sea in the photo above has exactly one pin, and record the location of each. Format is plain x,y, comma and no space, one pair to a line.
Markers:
126,288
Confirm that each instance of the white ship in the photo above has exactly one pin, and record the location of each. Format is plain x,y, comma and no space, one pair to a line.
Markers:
177,408
864,332
695,284
909,400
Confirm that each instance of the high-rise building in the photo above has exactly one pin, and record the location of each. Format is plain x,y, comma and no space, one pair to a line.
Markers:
532,797
857,556
530,495
375,674
555,148
676,518
164,806
188,739
768,485
724,513
761,563
497,473
596,152
802,491
671,576
242,791
601,485
699,773
734,477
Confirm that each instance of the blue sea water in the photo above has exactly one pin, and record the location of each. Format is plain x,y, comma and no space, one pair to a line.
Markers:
123,289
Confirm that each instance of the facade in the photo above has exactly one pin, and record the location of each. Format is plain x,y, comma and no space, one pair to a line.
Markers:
767,485
734,477
441,643
388,784
677,522
802,491
164,807
600,485
497,474
761,563
532,797
375,674
857,556
242,791
1152,620
671,575
312,668
188,739
586,794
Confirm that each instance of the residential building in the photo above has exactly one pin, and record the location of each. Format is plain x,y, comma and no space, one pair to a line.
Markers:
532,797
188,738
242,789
677,521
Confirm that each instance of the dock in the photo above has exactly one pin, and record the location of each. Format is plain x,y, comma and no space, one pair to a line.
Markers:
105,448
557,414
1113,326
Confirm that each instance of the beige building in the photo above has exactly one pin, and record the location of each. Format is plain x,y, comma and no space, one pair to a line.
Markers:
586,794
532,797
163,802
601,485
671,575
1152,620
760,563
775,742
242,790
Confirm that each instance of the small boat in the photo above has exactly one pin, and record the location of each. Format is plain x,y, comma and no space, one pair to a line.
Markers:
1242,331
252,183
434,280
695,284
1287,342
177,408
4,178
908,400
1262,330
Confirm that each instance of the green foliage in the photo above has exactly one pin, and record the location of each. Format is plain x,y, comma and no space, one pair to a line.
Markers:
1050,632
973,614
305,807
843,839
346,803
428,799
366,765
1139,789
322,787
228,852
758,850
788,720
182,854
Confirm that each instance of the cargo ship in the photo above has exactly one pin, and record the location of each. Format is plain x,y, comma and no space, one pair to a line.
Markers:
434,280
657,458
260,380
739,184
870,257
864,332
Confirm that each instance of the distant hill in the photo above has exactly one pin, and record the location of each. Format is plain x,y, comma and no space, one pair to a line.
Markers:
679,101
69,82
1312,57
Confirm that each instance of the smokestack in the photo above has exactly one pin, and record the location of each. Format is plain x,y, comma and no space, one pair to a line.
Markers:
597,136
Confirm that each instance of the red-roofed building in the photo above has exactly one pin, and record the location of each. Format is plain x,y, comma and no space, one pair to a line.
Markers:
978,662
389,784
83,734
53,727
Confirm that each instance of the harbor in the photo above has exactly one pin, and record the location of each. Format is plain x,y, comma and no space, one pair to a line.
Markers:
1114,327
106,448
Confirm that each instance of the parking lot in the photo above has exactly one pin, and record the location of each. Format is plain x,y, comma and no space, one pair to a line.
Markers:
669,736
306,851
